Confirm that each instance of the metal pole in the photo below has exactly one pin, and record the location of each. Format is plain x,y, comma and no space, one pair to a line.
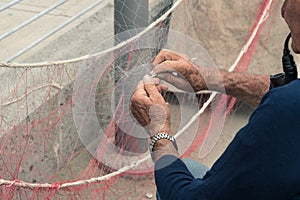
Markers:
129,17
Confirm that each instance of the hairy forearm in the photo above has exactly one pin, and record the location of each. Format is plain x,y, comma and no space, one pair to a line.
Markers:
164,147
247,87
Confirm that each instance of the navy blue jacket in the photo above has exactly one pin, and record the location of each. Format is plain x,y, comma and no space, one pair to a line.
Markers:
262,161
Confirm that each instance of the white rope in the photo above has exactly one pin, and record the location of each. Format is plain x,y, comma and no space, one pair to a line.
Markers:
19,183
197,115
262,19
54,85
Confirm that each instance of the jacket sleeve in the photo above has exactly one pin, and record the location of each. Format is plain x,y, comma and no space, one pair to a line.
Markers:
174,181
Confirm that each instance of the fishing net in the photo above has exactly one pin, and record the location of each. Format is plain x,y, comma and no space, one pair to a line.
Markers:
66,130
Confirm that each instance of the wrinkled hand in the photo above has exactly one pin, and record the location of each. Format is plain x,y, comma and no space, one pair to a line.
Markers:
149,107
189,76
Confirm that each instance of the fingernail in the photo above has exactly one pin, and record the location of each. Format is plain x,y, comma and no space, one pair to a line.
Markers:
152,74
175,74
160,76
156,81
147,79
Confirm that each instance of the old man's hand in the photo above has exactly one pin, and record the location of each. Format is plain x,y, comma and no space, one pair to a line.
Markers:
149,107
180,71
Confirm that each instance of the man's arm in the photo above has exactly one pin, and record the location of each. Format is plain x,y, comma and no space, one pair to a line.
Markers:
247,87
152,112
164,147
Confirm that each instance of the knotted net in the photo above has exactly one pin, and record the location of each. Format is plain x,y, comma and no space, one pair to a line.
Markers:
66,131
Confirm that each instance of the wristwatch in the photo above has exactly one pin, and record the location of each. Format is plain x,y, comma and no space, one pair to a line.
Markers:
159,136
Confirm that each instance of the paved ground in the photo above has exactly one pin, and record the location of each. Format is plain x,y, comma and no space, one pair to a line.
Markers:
60,13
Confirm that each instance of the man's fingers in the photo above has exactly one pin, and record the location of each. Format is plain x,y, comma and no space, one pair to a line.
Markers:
159,59
156,81
152,90
178,82
165,55
140,86
171,66
140,90
162,87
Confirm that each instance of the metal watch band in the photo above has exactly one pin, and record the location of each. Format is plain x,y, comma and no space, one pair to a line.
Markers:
159,136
